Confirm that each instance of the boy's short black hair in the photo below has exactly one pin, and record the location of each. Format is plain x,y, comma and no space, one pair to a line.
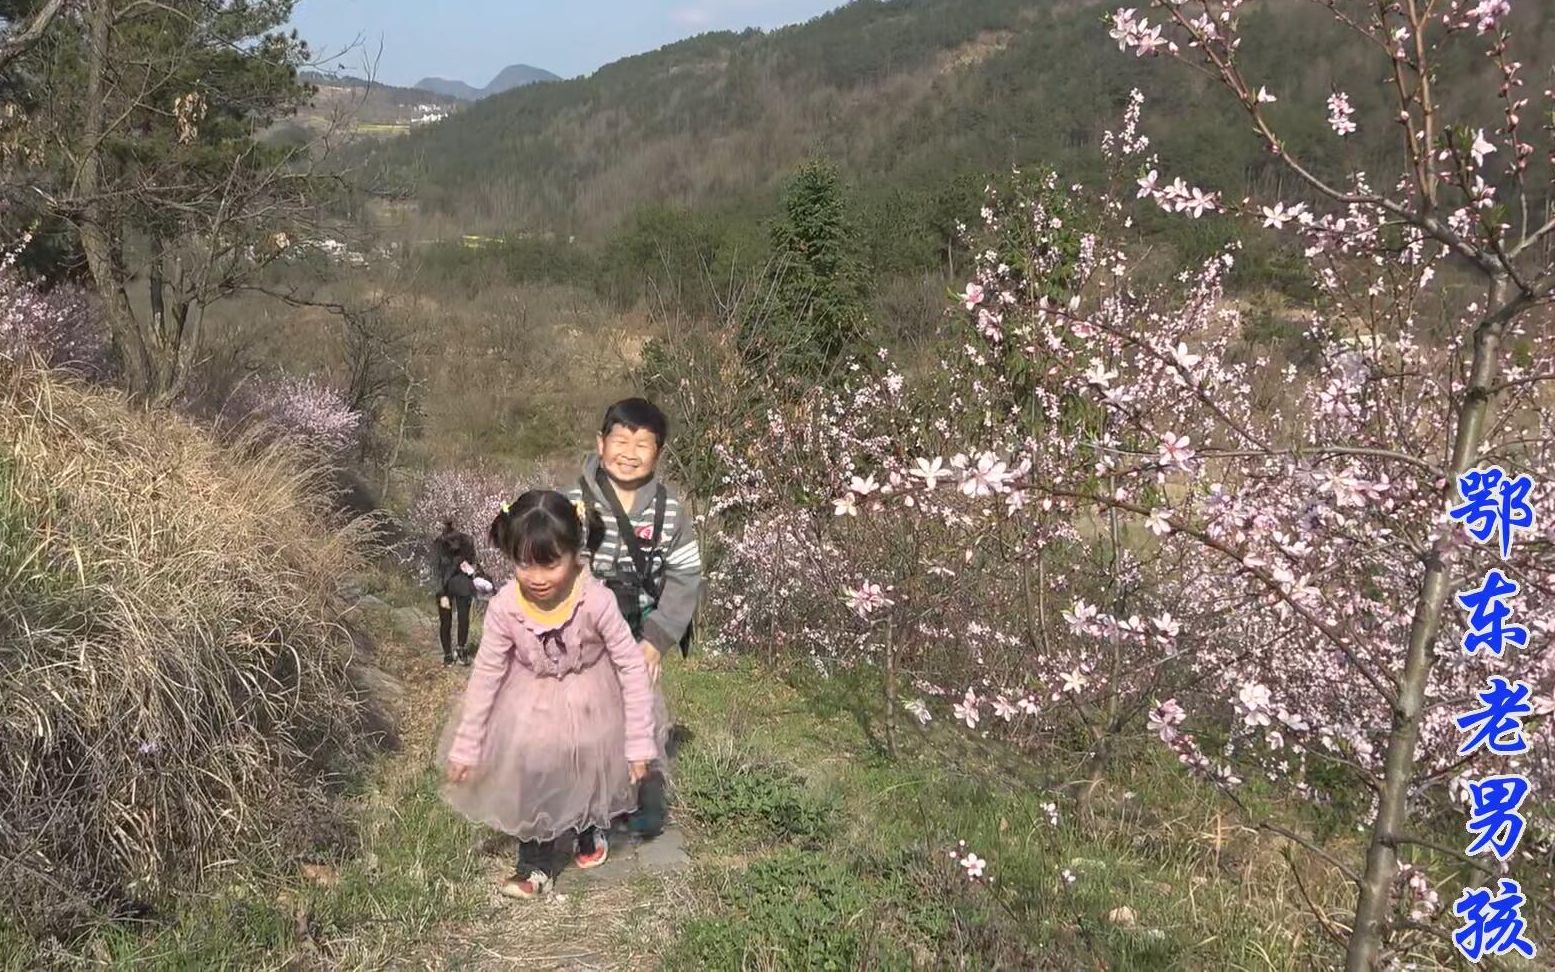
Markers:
637,414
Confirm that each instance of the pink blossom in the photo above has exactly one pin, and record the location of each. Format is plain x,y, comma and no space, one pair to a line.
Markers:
1201,202
973,296
966,710
58,325
931,472
866,599
302,409
1165,718
1253,700
990,475
1175,451
471,497
1277,216
1099,375
1159,522
1481,147
974,866
1185,360
1340,113
864,487
1080,614
1487,14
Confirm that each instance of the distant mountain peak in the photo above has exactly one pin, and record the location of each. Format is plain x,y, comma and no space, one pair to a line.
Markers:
510,77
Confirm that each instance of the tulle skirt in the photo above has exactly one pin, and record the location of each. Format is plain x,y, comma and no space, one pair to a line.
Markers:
555,755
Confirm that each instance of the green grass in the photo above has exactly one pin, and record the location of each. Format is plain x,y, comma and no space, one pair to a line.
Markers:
811,850
415,870
816,851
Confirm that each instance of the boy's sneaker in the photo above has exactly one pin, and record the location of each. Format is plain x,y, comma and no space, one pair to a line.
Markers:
536,884
595,857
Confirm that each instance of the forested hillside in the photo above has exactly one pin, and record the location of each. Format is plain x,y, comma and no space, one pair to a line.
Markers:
916,100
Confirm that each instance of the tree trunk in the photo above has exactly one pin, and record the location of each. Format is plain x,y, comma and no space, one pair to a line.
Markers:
890,689
97,223
171,348
1376,891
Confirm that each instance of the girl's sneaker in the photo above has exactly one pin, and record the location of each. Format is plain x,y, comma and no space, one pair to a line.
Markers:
595,857
536,884
448,659
465,656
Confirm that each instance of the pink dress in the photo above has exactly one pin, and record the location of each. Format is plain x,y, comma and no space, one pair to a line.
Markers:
549,722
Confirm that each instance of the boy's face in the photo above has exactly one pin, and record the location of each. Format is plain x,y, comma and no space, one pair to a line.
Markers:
628,455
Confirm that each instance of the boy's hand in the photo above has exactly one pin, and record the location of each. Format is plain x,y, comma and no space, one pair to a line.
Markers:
458,772
639,770
652,658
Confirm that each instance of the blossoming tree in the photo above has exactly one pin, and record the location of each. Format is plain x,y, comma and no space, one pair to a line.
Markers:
1336,512
1279,560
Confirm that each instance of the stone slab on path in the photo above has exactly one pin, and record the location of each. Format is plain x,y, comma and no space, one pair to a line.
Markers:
630,857
664,854
412,621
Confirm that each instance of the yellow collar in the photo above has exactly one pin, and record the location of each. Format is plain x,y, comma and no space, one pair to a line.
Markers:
556,616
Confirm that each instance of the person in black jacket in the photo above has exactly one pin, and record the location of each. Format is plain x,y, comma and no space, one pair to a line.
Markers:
454,572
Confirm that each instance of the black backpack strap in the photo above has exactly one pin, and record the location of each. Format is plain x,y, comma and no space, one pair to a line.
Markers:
660,500
628,537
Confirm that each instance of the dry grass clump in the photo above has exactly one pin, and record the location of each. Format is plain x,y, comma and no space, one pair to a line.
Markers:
175,690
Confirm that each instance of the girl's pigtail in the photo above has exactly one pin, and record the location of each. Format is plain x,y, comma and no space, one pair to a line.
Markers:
501,533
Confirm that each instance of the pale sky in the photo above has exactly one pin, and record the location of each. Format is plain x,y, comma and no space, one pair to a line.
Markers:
471,40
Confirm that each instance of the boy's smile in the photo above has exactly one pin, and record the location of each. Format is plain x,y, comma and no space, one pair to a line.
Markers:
629,456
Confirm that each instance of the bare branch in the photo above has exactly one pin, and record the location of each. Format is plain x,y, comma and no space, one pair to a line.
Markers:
15,43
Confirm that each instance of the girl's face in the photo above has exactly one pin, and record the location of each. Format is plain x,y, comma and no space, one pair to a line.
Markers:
546,582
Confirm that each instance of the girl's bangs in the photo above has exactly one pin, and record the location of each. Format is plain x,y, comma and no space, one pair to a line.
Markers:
541,547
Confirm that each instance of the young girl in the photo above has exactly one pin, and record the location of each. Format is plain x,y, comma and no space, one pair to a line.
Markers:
557,724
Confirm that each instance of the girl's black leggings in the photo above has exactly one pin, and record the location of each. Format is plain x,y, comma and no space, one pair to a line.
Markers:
540,855
445,621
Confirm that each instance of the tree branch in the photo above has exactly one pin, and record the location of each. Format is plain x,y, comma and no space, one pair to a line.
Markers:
16,43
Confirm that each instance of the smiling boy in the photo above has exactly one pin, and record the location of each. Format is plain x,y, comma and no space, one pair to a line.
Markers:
655,568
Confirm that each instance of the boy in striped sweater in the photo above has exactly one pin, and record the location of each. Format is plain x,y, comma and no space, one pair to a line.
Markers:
655,570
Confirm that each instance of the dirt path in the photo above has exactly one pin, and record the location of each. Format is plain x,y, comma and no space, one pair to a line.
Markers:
618,916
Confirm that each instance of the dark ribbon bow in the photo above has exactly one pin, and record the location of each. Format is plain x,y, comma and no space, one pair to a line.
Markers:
551,642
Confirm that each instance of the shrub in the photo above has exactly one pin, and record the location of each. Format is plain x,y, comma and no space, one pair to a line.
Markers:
471,497
55,325
303,410
178,692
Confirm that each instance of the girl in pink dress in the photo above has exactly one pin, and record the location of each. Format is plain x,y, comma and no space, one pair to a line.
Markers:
557,722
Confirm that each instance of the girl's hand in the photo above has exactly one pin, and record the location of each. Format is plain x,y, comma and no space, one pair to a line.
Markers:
639,770
442,602
457,772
